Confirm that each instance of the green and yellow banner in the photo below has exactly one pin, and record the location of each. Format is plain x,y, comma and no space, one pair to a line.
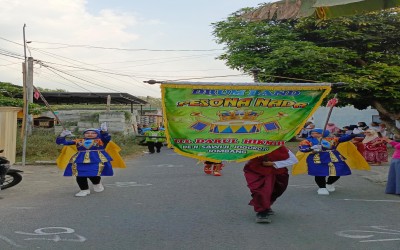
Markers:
236,122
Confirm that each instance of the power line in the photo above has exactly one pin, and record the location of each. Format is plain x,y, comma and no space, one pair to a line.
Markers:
66,59
114,48
8,55
47,66
56,82
154,59
11,41
206,77
9,64
99,71
91,82
87,69
80,67
50,69
144,76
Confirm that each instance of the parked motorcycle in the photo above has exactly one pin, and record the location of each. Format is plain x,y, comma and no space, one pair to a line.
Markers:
8,177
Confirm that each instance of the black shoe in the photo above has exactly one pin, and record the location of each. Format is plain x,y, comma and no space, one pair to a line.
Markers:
158,151
263,217
269,211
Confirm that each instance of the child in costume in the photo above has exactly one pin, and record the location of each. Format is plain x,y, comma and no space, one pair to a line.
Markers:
393,182
87,158
324,160
213,168
267,178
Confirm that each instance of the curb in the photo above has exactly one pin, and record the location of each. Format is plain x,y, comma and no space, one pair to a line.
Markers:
36,163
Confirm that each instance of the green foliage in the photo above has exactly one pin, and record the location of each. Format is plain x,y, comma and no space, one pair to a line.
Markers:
40,146
51,90
128,115
362,51
153,102
8,93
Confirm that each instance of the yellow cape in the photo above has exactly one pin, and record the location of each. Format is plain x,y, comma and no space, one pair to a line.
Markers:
353,159
112,149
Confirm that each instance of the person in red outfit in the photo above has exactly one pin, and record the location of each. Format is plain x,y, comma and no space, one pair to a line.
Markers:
375,148
267,178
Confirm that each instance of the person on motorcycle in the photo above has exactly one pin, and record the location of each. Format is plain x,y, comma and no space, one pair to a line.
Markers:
91,159
8,177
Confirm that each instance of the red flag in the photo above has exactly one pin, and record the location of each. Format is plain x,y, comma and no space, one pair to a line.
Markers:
36,94
332,102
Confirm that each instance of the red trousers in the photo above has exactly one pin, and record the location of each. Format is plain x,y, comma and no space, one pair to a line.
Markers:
266,186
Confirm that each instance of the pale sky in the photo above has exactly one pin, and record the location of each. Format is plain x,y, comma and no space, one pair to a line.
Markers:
145,40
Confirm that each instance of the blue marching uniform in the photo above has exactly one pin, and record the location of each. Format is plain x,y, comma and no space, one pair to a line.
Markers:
91,158
328,162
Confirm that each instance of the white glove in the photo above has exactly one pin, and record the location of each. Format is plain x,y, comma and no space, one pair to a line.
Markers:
317,147
103,126
65,133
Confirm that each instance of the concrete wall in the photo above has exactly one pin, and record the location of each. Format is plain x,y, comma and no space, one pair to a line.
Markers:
84,119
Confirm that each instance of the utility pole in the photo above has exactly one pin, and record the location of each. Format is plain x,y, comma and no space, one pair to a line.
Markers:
108,103
26,105
29,92
27,71
255,72
29,80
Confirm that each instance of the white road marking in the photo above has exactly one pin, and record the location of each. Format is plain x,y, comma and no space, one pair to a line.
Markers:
55,234
379,240
365,234
305,186
396,201
12,243
40,231
167,166
127,184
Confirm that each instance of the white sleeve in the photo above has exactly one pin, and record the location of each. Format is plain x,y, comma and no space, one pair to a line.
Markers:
288,162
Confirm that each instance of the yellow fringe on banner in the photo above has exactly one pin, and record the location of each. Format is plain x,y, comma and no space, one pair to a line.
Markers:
164,86
245,87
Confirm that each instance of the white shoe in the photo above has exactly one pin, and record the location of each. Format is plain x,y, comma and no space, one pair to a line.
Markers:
98,188
83,193
323,191
330,187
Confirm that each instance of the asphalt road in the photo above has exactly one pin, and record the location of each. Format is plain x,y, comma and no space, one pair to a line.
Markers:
165,201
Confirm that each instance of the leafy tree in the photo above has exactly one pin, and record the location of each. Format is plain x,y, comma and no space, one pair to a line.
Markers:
51,90
153,101
362,51
9,96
